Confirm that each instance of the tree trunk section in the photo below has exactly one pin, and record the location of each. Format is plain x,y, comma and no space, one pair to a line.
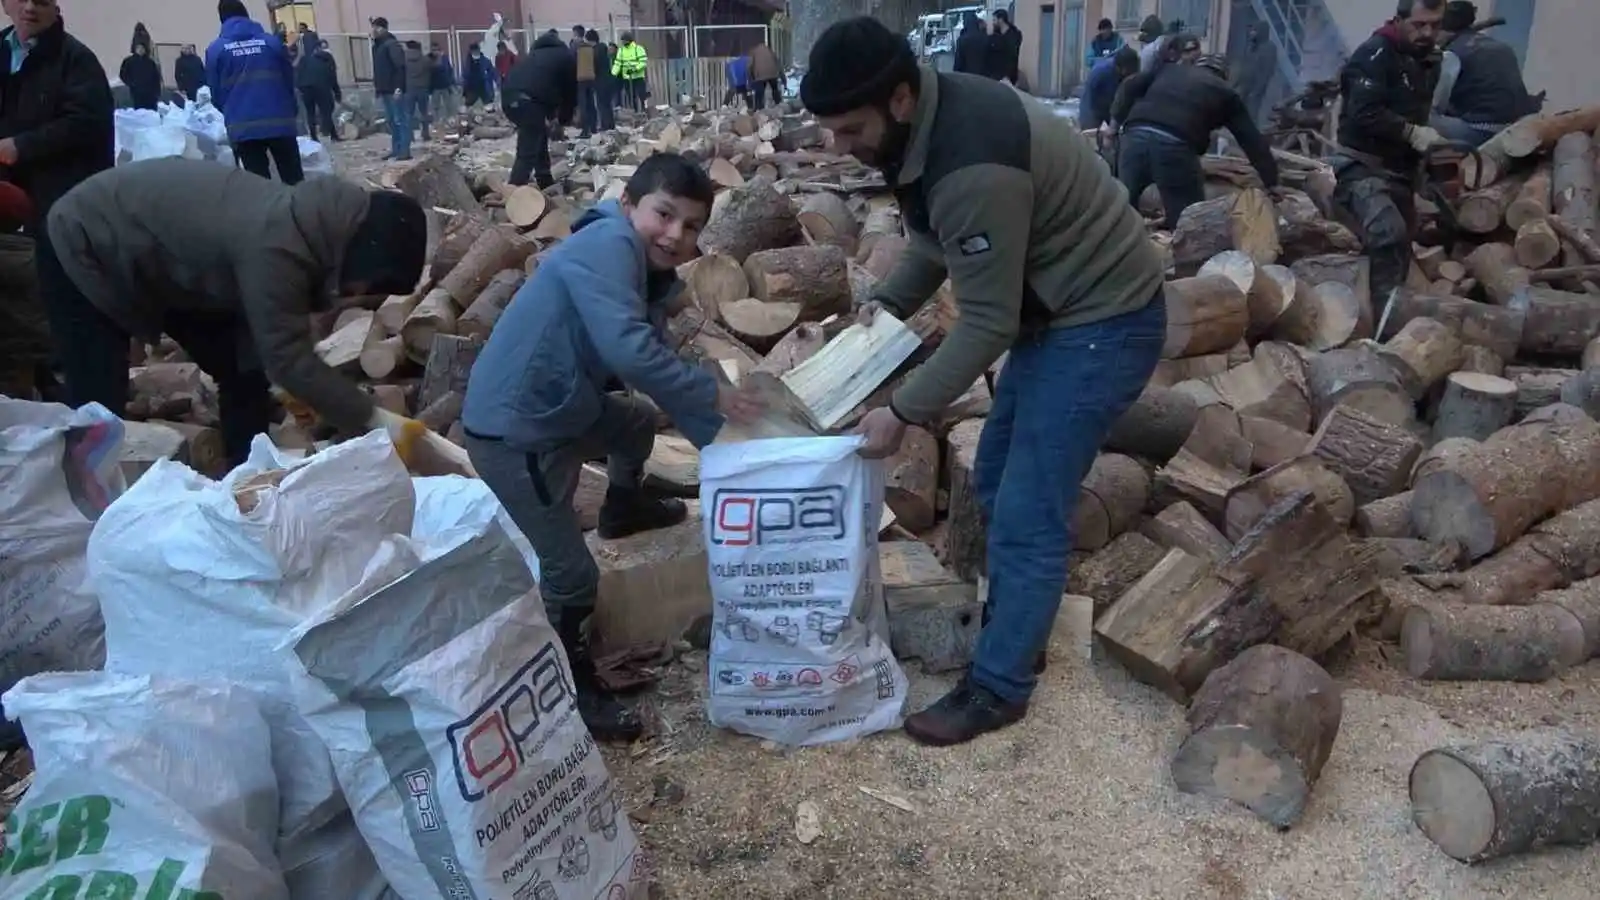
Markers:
493,252
1357,377
1537,387
800,344
1373,457
435,315
1425,352
748,219
1261,729
757,323
1537,245
1582,600
1212,462
1478,324
1495,267
450,360
437,182
1110,571
713,280
1474,406
1574,186
1534,134
1484,801
1558,323
1553,554
1389,517
1463,642
1481,359
1350,270
1482,211
1156,425
1272,443
1243,221
911,480
1205,314
1249,502
1321,317
1532,201
813,277
1270,386
826,219
478,321
1110,500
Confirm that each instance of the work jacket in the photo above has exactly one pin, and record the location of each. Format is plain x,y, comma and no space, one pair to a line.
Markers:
252,82
631,62
1488,85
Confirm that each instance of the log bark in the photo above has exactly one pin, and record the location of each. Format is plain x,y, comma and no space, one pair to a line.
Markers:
1495,267
1558,323
1554,554
1212,462
813,277
1478,324
1111,570
965,551
882,221
1582,600
1205,314
1474,406
1357,377
1583,391
1538,133
1261,729
757,323
1482,211
911,480
1488,497
713,280
1532,201
1321,317
1182,527
526,206
1272,443
1350,270
1156,425
493,252
1463,642
1537,387
1249,502
384,358
1537,245
1271,385
884,255
172,390
748,219
1424,352
450,360
1243,221
1304,230
478,321
1373,457
1573,180
800,344
341,350
1388,517
443,412
435,315
436,182
826,219
1480,359
1484,801
724,173
1109,502
1268,289
392,312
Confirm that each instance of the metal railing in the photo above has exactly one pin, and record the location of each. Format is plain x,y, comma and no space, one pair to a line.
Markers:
1302,31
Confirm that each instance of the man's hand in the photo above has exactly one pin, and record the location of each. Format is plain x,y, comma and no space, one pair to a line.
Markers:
741,405
883,430
8,152
866,312
1422,138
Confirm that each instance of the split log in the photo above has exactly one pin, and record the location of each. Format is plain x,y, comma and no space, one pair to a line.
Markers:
1537,245
712,280
1305,230
1156,425
1373,457
1573,180
1212,462
450,360
526,206
1243,221
830,385
1114,568
556,225
965,548
1582,600
882,221
1357,377
341,351
750,218
493,252
1249,502
1583,244
813,277
1182,527
1537,387
1109,501
826,219
1424,352
1495,267
1486,498
1480,324
392,312
1480,359
1268,289
800,344
1483,801
884,255
1205,314
478,321
1350,270
383,358
1271,385
1272,443
172,390
1169,372
1465,642
724,174
1295,580
1535,134
436,182
1388,517
436,314
1474,406
1321,317
911,480
1261,729
756,323
1558,323
1532,201
1481,211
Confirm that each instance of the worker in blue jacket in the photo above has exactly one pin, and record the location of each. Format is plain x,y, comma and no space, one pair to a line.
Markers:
1105,77
252,82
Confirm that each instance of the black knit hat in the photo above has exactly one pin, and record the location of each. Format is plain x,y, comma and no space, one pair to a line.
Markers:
1459,15
385,254
228,9
855,63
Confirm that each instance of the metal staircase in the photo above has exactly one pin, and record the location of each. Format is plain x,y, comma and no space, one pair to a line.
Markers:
1310,47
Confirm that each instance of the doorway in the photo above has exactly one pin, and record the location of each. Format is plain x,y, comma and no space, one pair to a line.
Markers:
1047,50
1518,27
1071,46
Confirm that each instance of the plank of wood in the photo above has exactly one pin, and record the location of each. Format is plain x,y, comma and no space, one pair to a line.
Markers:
342,349
832,383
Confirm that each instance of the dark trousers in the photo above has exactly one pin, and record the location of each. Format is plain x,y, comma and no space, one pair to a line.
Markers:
727,97
588,107
417,110
533,143
91,349
633,93
319,112
214,342
762,87
1170,163
283,151
1384,208
1057,397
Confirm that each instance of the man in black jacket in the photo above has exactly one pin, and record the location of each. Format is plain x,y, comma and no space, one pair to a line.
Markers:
317,77
142,77
55,131
1168,116
541,86
1005,48
190,73
1387,90
389,84
1480,88
972,47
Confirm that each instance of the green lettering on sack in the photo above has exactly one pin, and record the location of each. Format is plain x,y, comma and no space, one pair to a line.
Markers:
112,886
60,887
33,843
85,825
166,881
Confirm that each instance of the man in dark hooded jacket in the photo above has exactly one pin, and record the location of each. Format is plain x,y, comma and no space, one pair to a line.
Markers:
389,84
317,77
142,77
972,47
1005,48
1480,89
189,72
541,86
235,278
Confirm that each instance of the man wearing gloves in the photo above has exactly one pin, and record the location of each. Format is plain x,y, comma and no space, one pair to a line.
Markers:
234,281
1387,92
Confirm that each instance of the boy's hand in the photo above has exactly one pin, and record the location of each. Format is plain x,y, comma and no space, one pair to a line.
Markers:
739,404
866,311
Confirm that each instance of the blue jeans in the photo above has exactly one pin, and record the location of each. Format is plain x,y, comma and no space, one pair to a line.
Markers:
1056,399
398,112
1461,130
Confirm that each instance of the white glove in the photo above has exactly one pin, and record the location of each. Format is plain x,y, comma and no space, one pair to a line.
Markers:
1422,138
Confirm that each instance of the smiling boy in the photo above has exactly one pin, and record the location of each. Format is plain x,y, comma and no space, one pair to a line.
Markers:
537,406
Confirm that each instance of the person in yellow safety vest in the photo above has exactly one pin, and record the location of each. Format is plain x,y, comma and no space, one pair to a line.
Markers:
629,66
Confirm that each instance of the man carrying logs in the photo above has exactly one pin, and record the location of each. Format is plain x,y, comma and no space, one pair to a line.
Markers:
233,281
1480,88
1049,264
1383,132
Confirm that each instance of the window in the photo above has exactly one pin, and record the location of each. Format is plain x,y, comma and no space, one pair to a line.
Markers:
1129,12
1194,14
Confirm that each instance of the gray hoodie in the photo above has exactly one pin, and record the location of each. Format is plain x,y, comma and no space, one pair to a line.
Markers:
592,310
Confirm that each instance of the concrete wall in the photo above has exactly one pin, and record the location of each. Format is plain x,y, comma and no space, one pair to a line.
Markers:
1561,53
107,26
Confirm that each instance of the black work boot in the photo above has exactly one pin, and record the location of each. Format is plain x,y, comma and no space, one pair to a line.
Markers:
632,510
963,714
608,719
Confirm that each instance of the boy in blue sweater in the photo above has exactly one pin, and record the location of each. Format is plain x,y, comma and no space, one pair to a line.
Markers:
252,82
537,405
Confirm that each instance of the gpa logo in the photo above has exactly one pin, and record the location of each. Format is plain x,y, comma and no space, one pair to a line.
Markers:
490,746
419,784
756,517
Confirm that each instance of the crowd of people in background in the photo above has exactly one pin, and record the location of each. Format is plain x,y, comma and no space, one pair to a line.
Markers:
990,48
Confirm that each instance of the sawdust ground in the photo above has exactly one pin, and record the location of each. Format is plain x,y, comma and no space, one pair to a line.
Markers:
1076,801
